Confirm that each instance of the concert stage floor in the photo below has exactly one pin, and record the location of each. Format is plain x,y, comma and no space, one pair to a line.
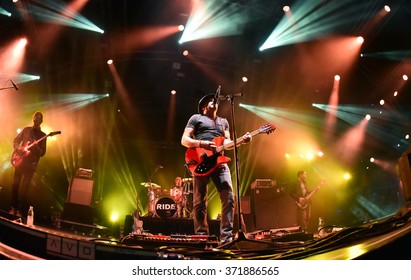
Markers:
383,239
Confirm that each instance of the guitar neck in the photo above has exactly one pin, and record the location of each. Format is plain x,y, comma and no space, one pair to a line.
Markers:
37,141
316,189
239,141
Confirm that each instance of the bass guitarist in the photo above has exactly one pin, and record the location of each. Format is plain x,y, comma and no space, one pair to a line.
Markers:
23,173
302,195
199,133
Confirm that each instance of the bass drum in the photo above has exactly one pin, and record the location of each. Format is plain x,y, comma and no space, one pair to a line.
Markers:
165,207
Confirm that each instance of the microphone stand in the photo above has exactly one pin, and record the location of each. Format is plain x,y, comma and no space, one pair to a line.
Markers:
241,232
10,87
3,88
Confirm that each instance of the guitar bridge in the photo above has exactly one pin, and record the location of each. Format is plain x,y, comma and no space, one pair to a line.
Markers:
203,168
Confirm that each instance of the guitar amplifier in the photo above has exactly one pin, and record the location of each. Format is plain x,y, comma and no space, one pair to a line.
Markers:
262,184
84,173
80,191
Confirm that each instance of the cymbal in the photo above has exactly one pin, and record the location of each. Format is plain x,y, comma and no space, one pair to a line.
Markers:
187,180
150,185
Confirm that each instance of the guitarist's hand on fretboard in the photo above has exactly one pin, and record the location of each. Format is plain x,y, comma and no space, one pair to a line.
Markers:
247,137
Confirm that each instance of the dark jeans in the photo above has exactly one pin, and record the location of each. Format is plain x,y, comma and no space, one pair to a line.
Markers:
303,216
221,178
20,186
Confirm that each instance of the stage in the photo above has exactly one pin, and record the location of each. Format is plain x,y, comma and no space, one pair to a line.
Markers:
173,239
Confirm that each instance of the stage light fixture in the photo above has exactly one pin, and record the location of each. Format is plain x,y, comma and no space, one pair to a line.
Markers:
387,8
114,217
347,176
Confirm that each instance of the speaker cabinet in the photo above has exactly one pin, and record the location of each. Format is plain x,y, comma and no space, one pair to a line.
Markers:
247,218
78,213
272,209
80,191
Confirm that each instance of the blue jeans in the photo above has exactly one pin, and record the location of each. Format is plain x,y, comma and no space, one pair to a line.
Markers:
221,178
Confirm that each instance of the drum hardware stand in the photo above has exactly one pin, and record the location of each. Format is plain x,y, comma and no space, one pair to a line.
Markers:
151,194
186,213
240,236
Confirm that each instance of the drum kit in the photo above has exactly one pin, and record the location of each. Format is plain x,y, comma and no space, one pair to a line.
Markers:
176,202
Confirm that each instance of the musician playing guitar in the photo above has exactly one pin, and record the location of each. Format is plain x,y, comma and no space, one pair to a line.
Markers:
302,196
23,173
199,133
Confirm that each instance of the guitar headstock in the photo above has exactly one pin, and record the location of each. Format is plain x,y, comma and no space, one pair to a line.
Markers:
267,128
54,133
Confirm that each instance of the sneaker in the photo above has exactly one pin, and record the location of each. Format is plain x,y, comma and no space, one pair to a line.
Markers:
226,240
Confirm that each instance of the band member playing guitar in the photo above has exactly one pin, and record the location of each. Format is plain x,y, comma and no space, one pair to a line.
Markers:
199,132
302,196
25,161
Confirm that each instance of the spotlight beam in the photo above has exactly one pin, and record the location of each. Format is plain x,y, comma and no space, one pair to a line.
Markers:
312,20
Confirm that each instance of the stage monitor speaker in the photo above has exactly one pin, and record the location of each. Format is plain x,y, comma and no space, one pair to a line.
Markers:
272,209
80,191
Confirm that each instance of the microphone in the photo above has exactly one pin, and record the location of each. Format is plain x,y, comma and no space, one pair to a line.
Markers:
228,96
14,85
217,95
160,166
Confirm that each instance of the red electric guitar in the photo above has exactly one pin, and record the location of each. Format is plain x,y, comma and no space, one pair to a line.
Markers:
202,162
21,152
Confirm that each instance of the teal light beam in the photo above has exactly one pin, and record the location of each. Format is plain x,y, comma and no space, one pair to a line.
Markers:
312,20
215,18
285,116
57,12
391,55
19,78
387,125
70,101
4,12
